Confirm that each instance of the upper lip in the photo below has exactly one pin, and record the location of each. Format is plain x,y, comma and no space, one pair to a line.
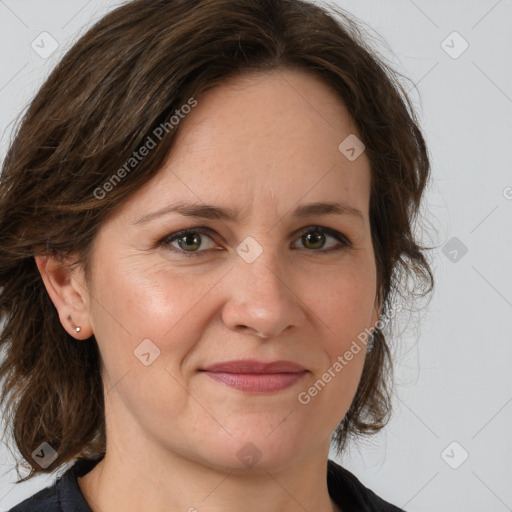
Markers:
253,366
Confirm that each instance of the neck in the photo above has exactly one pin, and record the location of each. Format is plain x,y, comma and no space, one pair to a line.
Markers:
123,482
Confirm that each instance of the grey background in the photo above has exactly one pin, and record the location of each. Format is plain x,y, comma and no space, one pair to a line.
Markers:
453,361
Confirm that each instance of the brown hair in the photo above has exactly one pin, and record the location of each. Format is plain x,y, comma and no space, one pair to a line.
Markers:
120,81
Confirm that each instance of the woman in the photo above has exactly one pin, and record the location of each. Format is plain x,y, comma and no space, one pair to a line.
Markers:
204,226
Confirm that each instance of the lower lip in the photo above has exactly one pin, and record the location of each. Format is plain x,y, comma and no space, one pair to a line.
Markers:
257,382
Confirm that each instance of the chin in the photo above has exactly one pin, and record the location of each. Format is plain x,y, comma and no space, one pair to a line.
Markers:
251,451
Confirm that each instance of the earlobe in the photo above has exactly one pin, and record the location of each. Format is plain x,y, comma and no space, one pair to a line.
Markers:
68,294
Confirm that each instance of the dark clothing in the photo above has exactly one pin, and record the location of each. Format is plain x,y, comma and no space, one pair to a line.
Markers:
351,495
65,494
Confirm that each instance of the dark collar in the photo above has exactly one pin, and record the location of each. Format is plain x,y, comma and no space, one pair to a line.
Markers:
70,495
351,495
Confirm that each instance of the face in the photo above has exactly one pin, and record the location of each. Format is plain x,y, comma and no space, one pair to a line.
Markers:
266,285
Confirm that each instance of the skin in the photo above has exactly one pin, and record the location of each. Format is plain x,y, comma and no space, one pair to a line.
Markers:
262,143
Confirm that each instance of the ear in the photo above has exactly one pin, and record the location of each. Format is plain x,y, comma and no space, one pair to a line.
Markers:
68,291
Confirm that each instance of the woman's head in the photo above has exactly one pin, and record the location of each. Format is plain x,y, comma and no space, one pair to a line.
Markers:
262,113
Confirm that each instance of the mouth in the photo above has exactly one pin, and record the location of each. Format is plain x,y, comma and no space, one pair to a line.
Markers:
256,376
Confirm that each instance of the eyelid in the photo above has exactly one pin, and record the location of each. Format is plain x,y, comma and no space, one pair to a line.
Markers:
344,242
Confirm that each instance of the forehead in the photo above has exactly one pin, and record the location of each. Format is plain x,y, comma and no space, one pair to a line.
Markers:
269,139
278,107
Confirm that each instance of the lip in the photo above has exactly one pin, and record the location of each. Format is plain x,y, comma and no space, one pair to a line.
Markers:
256,376
254,366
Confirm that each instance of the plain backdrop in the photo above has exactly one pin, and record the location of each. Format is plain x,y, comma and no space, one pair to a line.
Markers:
448,446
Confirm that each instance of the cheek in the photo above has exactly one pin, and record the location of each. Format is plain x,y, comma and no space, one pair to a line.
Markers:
136,302
140,303
345,309
344,301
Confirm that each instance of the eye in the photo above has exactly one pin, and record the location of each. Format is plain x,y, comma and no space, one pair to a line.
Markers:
315,236
189,241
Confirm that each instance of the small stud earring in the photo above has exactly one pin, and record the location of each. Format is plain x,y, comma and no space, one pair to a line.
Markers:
76,327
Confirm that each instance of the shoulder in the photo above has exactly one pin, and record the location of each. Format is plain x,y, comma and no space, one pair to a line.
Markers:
46,500
351,495
64,495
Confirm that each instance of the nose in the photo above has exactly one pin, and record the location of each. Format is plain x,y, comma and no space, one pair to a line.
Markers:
262,299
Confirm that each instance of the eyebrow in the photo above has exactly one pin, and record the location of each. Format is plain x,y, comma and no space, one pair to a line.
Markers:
211,212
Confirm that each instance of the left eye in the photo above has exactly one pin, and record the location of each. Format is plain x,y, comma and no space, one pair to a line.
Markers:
190,240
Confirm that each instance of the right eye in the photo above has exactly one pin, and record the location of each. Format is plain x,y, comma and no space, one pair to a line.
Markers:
187,239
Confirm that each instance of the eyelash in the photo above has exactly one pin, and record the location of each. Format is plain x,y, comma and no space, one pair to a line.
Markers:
344,242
